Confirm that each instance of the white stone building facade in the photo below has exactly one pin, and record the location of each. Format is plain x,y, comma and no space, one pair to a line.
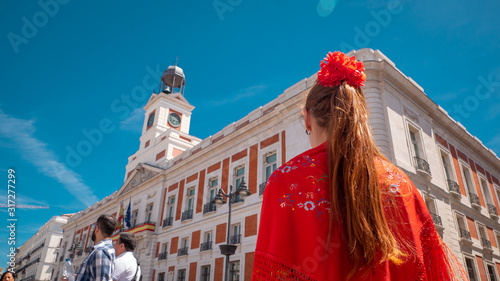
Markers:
36,259
172,178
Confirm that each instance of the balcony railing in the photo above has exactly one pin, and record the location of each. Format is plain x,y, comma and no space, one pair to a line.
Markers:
187,215
422,165
205,246
61,258
89,250
465,234
182,251
209,207
486,243
79,252
453,186
474,199
492,210
262,187
162,256
168,221
235,239
436,219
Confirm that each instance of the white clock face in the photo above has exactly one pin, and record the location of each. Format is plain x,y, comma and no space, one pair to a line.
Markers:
174,120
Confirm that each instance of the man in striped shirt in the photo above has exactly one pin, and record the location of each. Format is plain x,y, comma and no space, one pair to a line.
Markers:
99,265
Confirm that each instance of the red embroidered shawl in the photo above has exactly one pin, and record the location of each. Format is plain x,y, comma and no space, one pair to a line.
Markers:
291,244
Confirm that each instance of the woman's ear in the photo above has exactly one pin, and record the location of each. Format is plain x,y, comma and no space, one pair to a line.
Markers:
307,120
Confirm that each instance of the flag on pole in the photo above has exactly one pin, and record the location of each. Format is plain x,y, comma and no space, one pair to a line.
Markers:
127,216
120,217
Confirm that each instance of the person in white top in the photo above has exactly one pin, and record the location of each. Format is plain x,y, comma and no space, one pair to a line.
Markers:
126,266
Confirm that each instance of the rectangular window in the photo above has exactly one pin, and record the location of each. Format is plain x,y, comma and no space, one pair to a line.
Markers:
149,212
462,227
497,190
491,272
430,204
235,234
190,199
234,271
135,213
270,164
181,275
485,242
239,175
415,142
467,179
486,192
170,207
471,269
212,188
205,273
208,236
184,242
161,276
164,248
445,158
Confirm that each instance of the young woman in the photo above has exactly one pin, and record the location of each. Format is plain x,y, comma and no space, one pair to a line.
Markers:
341,211
7,276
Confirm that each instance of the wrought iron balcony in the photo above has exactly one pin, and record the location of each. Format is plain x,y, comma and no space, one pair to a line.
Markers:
209,207
436,219
79,253
89,250
187,215
422,165
162,256
465,234
492,210
235,239
474,199
182,251
453,186
205,246
486,243
236,199
262,187
61,258
168,221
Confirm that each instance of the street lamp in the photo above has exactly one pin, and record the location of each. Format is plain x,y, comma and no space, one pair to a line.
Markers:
243,192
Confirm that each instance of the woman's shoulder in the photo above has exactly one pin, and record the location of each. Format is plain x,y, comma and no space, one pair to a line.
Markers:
309,163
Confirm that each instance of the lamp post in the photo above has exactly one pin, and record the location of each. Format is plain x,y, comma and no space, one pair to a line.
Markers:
243,192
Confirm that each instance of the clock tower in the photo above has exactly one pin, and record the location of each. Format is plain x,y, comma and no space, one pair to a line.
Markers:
165,132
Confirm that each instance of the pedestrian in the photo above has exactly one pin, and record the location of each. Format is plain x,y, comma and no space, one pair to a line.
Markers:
126,265
100,263
7,276
341,210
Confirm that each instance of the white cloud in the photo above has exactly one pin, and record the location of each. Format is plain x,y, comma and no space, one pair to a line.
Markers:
134,121
242,94
20,133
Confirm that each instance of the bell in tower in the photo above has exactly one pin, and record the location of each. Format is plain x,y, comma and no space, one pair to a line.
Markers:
173,80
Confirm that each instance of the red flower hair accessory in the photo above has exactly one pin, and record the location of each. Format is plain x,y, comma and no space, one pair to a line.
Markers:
337,67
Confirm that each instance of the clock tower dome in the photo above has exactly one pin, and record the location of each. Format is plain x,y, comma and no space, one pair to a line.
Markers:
165,132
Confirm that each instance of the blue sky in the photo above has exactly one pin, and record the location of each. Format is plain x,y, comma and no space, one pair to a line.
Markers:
64,64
